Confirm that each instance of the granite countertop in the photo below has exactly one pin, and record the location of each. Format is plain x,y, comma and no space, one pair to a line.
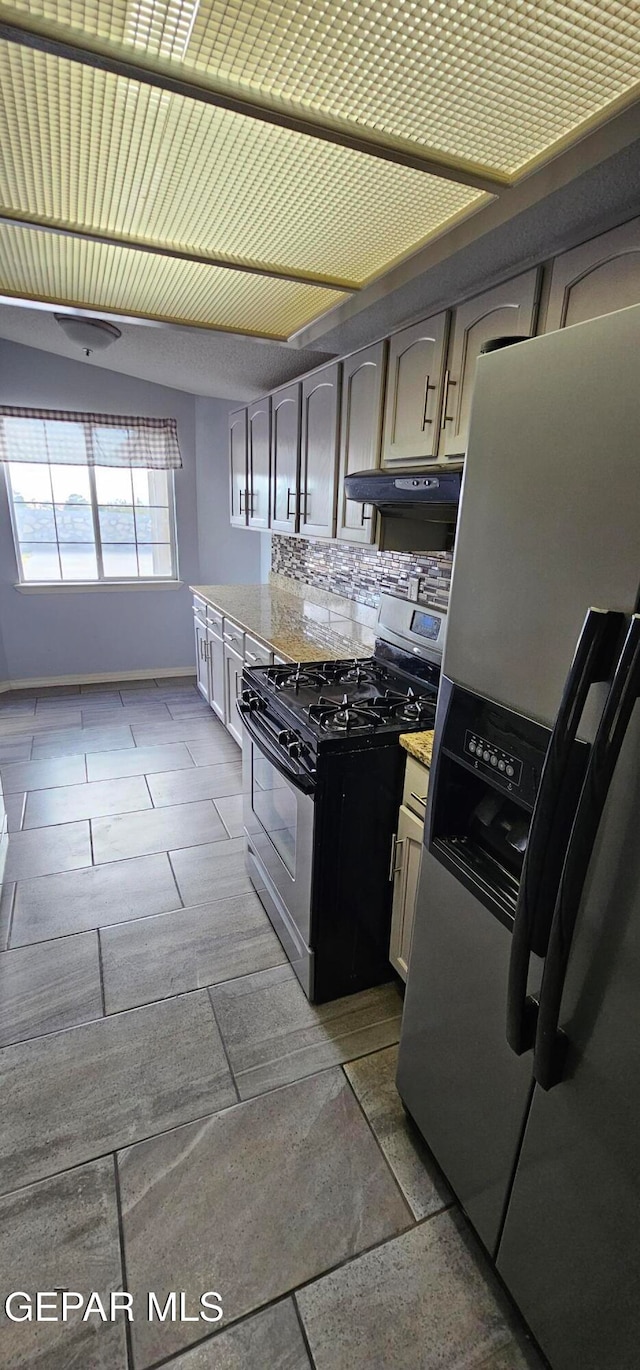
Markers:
295,627
419,745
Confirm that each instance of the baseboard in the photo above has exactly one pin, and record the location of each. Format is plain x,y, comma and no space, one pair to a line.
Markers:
102,678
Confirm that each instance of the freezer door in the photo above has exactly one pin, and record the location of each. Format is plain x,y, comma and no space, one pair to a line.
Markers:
570,1251
548,524
458,1078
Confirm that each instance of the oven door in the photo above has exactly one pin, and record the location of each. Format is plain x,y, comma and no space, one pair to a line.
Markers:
279,815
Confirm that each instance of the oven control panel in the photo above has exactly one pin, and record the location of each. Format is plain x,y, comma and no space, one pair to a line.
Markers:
478,748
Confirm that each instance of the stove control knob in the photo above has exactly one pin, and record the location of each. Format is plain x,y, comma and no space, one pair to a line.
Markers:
252,701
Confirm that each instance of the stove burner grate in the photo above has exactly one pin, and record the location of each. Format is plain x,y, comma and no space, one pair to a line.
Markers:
345,717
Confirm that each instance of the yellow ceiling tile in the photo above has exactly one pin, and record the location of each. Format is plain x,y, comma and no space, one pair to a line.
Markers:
48,266
494,82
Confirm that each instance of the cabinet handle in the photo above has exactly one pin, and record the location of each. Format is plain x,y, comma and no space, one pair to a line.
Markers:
446,418
291,513
418,798
427,387
365,518
243,495
393,869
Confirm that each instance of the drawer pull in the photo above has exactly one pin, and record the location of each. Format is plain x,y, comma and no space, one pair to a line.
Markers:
419,798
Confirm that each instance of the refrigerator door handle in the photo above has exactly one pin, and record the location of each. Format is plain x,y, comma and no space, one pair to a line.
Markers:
593,661
551,1043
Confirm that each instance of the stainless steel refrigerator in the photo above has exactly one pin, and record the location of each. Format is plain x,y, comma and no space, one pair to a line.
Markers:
520,1049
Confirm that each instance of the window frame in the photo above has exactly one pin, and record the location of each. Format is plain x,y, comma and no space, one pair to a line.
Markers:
101,579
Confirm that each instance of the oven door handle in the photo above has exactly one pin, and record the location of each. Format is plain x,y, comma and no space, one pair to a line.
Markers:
302,782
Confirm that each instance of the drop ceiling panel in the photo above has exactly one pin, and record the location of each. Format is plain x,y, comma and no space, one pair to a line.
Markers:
495,82
47,266
85,148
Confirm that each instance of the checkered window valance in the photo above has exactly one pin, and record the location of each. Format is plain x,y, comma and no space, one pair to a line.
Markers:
70,438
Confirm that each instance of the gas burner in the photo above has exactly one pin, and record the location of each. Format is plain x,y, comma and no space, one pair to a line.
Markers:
298,679
359,673
344,717
415,708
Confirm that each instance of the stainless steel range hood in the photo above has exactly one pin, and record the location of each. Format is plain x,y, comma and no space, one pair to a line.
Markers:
417,508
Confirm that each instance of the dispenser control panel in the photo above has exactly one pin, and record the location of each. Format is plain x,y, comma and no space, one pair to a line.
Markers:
478,749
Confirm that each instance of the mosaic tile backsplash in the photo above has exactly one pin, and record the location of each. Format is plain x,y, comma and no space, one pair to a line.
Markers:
361,573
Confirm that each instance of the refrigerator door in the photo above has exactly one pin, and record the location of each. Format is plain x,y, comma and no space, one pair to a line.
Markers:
570,1249
548,523
462,1085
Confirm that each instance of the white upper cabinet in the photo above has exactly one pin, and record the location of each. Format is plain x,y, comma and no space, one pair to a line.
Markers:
596,278
505,311
259,462
238,466
319,465
285,458
360,435
412,407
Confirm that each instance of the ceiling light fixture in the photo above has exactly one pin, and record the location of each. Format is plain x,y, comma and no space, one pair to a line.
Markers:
92,335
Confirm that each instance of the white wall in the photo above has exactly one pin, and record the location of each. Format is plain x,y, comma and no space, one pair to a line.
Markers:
227,555
54,634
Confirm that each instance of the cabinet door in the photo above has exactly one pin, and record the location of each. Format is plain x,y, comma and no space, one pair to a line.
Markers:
285,458
360,436
408,855
259,462
319,452
215,652
596,278
414,380
506,311
202,661
238,466
233,664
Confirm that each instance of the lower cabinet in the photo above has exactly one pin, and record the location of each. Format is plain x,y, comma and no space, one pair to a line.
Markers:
202,660
233,636
406,858
215,652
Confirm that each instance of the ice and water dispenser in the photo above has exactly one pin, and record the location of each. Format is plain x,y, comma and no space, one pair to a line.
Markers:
486,777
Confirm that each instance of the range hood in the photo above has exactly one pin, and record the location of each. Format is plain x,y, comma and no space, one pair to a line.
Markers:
417,509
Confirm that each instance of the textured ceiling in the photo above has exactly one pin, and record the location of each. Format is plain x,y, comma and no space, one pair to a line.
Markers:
195,360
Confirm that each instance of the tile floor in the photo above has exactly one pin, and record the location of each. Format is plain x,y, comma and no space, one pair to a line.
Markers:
175,1115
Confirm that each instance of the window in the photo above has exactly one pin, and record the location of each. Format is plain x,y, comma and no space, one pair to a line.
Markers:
84,507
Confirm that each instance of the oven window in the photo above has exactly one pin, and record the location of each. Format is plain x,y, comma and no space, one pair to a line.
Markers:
275,805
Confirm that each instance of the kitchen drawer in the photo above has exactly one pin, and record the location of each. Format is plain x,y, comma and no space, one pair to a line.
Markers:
416,784
255,653
215,620
233,635
199,608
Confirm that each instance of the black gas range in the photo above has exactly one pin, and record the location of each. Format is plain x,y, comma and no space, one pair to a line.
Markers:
323,776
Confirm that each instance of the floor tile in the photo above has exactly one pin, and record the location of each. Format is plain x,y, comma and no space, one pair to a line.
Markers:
114,685
231,813
10,706
54,691
43,775
71,740
215,871
180,730
49,986
262,1197
270,1340
77,1094
153,958
138,761
125,714
188,708
171,683
15,805
92,897
14,749
374,1081
94,800
217,746
51,721
201,782
65,847
150,696
7,897
92,695
273,1034
140,834
63,1234
420,1302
